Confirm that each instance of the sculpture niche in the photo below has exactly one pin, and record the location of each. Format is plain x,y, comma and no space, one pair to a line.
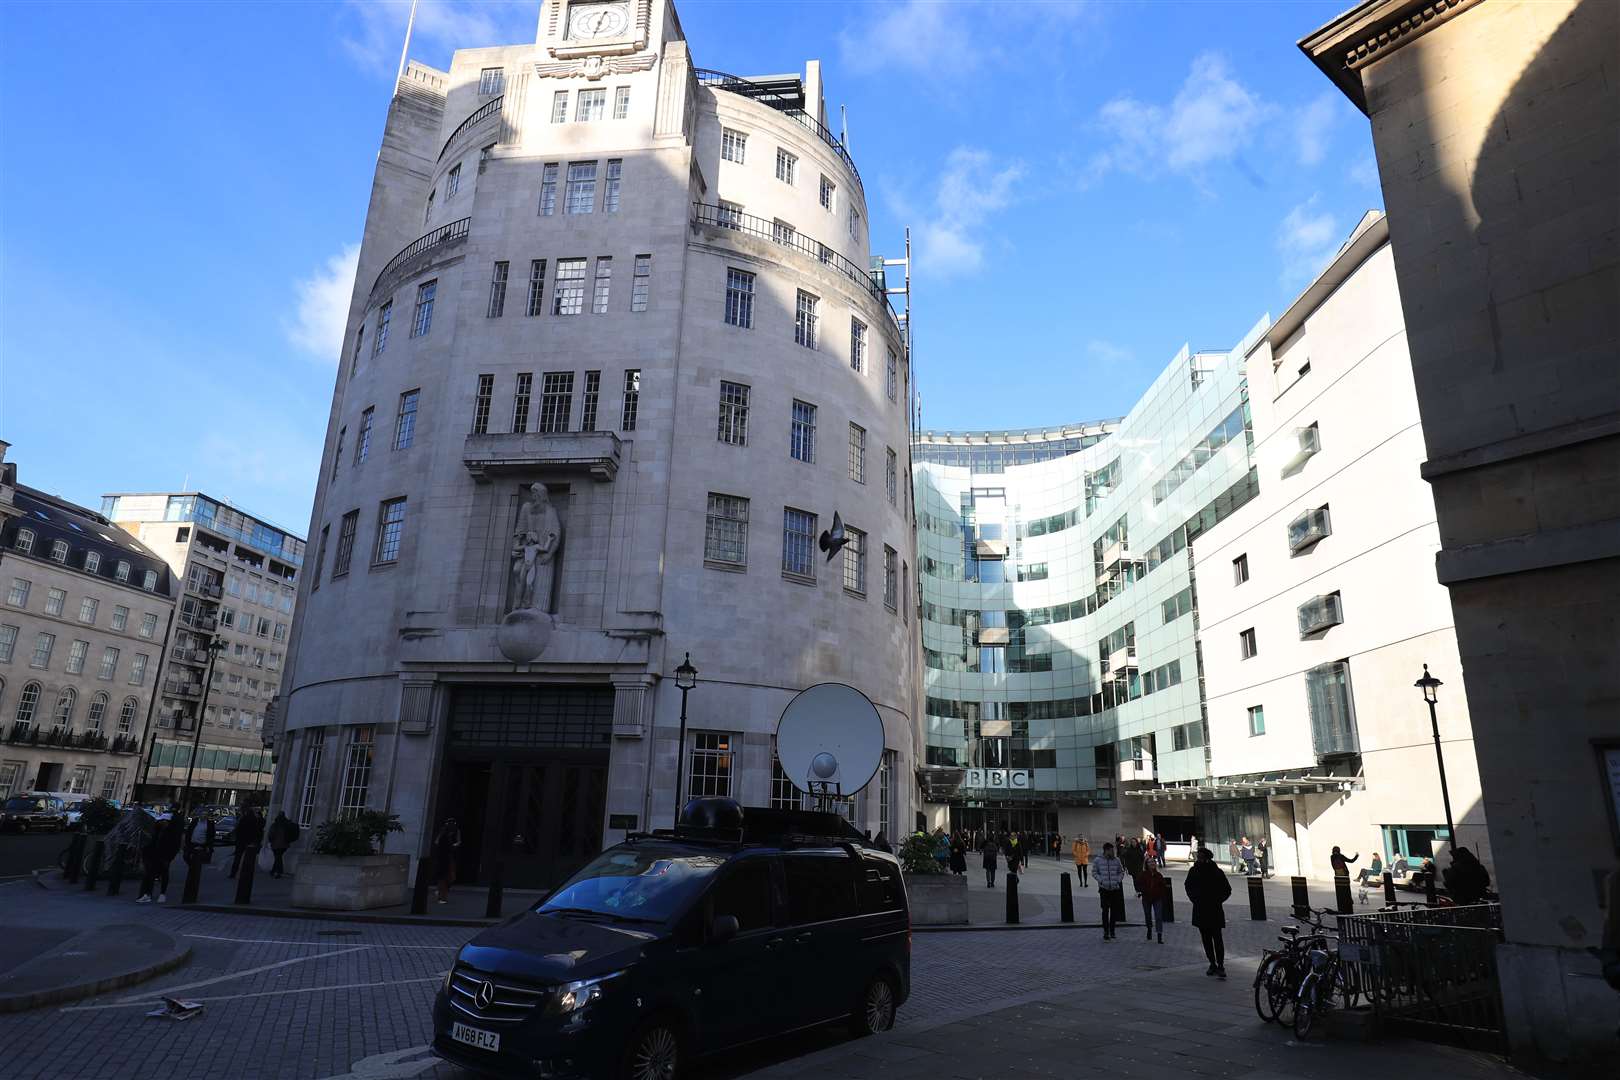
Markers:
537,541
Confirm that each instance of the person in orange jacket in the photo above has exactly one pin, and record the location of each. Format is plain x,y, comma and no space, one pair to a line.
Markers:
1082,859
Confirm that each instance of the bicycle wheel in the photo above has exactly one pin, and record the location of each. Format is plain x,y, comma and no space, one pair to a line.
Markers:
1263,1003
1305,1010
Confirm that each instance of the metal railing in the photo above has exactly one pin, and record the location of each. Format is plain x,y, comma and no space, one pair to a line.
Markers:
444,234
480,114
720,80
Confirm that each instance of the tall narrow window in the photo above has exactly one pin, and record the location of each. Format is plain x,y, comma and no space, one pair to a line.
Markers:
857,345
520,402
55,599
739,298
390,526
725,537
481,404
23,541
786,166
320,558
109,663
854,223
559,107
891,577
537,287
891,475
855,561
803,439
385,315
829,192
315,749
568,293
621,102
580,197
556,400
1257,720
1240,569
137,669
126,715
452,182
641,285
87,609
804,320
733,145
588,400
610,186
590,105
1246,643
422,318
548,190
356,772
497,291
891,377
92,561
337,452
405,421
603,285
8,642
712,764
78,652
491,81
798,542
359,348
18,596
345,544
632,400
857,453
734,413
27,704
362,442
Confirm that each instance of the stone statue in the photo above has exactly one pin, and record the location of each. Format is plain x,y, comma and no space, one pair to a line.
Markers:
535,543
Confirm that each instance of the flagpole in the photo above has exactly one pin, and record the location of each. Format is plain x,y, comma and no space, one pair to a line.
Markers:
404,52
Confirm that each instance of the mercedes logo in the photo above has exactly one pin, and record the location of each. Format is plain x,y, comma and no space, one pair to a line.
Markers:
486,994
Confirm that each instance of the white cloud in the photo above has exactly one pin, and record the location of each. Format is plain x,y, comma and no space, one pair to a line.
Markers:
914,36
1313,128
377,29
1106,352
323,305
949,239
1307,241
1212,118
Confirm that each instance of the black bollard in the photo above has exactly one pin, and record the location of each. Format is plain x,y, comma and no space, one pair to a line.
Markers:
115,875
1389,888
75,857
493,909
244,876
1065,898
1167,907
1257,899
1012,899
1429,895
97,853
193,878
1341,893
420,893
1302,898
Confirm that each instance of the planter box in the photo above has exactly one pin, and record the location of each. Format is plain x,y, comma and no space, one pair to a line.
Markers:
938,899
350,883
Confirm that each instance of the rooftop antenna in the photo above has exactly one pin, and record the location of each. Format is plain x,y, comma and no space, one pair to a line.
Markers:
410,23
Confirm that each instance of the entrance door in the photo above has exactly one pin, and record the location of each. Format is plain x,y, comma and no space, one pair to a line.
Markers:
546,819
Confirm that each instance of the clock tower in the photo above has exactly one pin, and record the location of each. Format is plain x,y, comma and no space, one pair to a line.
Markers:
570,29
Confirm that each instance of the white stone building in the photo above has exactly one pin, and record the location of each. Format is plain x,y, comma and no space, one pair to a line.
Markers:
589,266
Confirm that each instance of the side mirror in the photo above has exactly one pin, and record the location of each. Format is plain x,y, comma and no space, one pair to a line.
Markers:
723,929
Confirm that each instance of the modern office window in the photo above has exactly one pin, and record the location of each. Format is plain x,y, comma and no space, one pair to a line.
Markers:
345,545
632,400
621,102
78,653
891,577
1240,569
804,319
568,291
1257,720
733,145
314,750
120,617
422,318
359,348
1308,529
1246,643
18,596
126,715
481,404
1332,709
787,166
590,106
137,668
385,316
357,760
739,298
580,198
497,290
520,402
798,542
783,232
556,400
610,186
452,182
491,81
855,560
537,287
857,345
712,765
559,107
603,285
390,526
641,284
857,453
405,420
121,571
589,399
734,413
725,536
548,189
729,215
23,542
362,441
829,192
109,663
8,642
55,601
802,443
59,551
891,475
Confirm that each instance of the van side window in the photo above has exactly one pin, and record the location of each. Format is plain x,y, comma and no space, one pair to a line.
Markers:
820,886
880,888
746,893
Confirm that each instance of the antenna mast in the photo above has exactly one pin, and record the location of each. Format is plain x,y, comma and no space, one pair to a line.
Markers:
410,24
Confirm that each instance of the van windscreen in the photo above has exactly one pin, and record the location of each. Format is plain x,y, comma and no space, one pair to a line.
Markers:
635,883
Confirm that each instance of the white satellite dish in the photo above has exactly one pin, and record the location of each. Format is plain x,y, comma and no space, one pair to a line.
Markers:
830,740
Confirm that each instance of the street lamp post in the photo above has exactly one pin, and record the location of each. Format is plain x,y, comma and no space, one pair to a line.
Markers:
685,679
215,647
1428,685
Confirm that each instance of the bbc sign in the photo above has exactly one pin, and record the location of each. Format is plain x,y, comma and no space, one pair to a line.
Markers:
998,779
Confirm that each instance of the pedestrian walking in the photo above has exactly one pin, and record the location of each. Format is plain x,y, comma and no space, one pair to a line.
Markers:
958,855
1263,850
1208,890
1082,859
991,852
283,835
1155,887
1110,874
1161,851
1233,857
1133,860
446,851
249,836
1246,856
159,852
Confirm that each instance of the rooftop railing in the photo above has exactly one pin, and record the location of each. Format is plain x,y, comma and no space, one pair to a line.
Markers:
480,114
444,234
786,103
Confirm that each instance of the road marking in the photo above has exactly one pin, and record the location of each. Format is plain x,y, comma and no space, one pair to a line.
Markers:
390,1066
277,941
258,993
168,991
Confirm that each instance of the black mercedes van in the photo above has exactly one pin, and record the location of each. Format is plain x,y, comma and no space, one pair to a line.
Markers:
736,926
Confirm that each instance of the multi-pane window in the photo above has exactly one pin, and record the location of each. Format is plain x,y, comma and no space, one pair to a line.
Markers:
798,542
891,474
1257,719
725,536
345,544
559,107
390,526
481,404
857,453
422,317
385,315
27,704
891,377
126,716
491,81
739,298
362,442
120,618
568,293
1246,643
784,796
621,102
733,145
537,287
63,714
802,442
556,400
641,285
891,577
610,186
149,580
55,601
314,751
24,541
59,551
112,783
356,772
855,560
520,402
18,596
603,284
734,413
786,166
632,400
78,652
804,320
712,765
452,182
783,232
828,193
109,663
857,344
405,421
548,187
137,669
730,215
8,642
1240,569
588,400
43,644
497,290
121,571
580,198
590,105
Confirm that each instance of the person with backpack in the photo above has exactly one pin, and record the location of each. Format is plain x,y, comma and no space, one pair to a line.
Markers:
283,835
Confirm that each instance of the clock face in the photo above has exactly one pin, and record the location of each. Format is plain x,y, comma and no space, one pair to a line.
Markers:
587,21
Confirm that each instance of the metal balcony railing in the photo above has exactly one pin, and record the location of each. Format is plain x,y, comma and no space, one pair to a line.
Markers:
483,112
444,234
786,103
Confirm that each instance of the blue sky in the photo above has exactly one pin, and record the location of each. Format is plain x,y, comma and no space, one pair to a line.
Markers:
1089,186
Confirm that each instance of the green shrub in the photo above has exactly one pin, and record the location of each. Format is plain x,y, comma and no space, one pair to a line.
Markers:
354,835
917,855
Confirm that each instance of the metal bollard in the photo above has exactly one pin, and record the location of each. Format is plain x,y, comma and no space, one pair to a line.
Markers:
1167,907
115,876
420,894
1065,899
1257,899
1341,893
193,879
97,853
493,909
1302,898
75,857
1389,888
244,876
1012,899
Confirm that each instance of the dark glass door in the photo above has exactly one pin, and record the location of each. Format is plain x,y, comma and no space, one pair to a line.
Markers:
545,820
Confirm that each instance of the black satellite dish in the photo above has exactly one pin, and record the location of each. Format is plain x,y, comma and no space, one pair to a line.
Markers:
833,540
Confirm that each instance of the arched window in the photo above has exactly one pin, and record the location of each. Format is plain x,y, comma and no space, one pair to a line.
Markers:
24,541
28,704
126,716
149,580
59,551
64,707
92,562
98,713
123,571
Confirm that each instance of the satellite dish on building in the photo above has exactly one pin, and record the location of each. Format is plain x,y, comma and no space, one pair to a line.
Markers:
830,741
833,540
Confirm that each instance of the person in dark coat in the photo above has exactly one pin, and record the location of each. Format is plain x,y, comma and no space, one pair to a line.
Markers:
446,852
991,851
199,843
156,856
1208,889
283,835
1134,860
249,835
958,856
1467,880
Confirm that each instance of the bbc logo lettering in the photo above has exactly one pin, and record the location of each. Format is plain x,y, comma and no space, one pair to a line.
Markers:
999,779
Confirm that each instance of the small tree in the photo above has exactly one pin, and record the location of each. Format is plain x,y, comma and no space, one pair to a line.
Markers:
917,855
354,835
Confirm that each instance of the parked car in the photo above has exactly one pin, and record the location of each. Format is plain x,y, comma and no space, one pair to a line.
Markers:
34,813
674,945
75,810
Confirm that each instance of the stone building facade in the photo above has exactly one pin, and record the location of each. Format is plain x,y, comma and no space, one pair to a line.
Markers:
615,360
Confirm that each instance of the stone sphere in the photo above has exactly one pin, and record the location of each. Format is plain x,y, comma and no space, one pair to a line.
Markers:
524,635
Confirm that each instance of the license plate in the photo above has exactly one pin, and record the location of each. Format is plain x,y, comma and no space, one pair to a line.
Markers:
483,1040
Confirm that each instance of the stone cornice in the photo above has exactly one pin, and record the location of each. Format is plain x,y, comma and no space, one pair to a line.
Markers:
1371,31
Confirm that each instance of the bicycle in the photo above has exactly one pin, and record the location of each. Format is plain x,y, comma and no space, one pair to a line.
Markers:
1276,982
1325,976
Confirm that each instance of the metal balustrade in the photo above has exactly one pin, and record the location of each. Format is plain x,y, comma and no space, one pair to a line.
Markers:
444,234
778,97
480,114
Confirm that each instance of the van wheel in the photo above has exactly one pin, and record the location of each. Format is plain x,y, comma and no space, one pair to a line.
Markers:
876,1011
653,1052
